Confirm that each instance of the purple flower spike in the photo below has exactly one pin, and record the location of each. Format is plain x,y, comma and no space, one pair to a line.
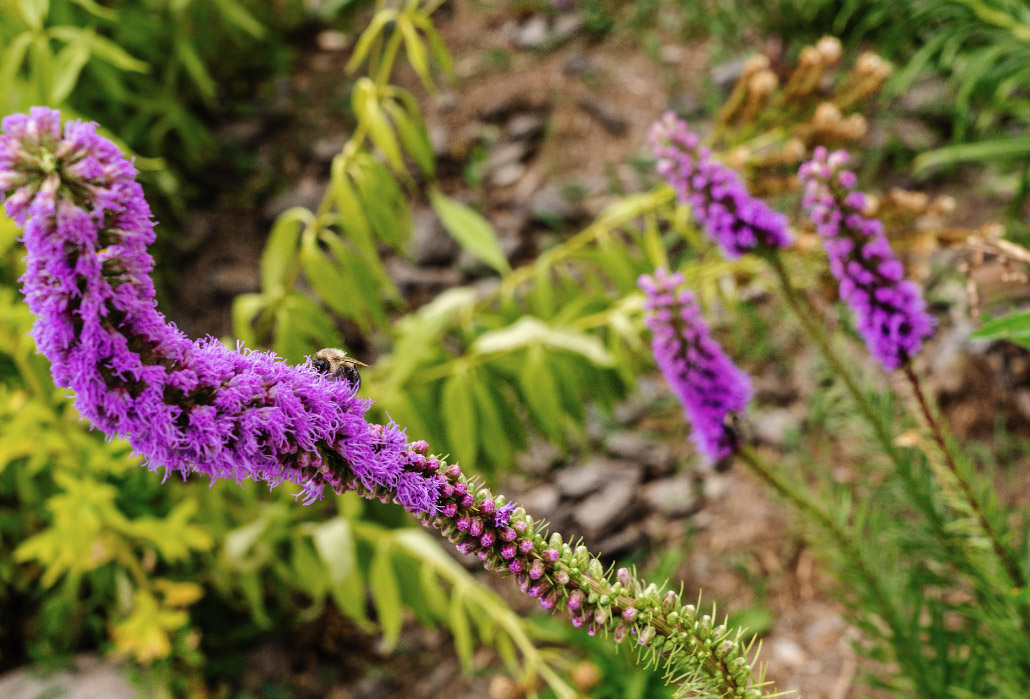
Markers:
189,407
889,309
704,379
719,201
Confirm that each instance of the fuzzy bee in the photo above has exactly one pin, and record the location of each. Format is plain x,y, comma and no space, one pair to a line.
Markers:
329,360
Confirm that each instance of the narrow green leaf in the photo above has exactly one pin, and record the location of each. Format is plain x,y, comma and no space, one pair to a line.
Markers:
436,43
245,309
370,113
12,58
459,415
68,65
492,431
237,15
385,594
101,47
413,136
529,331
473,232
364,44
334,541
383,201
417,56
1014,326
195,68
982,151
97,10
432,592
461,630
540,393
282,246
335,289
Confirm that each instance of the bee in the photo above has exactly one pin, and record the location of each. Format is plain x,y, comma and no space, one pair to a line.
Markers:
329,360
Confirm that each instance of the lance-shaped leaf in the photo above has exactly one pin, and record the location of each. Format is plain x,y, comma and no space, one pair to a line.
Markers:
473,232
529,331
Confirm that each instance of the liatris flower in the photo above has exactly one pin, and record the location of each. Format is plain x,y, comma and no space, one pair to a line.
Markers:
707,383
720,202
199,407
191,407
890,311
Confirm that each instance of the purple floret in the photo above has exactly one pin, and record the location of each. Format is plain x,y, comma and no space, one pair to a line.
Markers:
889,310
719,201
704,379
185,406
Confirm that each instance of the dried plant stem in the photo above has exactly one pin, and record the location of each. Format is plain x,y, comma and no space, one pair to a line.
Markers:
945,443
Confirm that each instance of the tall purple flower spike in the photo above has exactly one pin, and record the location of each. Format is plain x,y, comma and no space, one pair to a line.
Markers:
889,309
190,407
719,201
705,380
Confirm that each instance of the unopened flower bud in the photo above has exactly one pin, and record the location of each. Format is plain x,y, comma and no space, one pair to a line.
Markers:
536,569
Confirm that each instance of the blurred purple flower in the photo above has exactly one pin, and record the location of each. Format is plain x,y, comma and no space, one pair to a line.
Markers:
890,310
719,201
705,380
191,407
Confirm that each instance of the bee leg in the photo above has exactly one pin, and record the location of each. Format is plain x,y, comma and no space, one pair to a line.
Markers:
351,374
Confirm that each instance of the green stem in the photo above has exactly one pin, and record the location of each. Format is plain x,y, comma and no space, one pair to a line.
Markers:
947,448
908,652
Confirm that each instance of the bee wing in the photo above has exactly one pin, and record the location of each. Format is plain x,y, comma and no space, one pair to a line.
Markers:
352,360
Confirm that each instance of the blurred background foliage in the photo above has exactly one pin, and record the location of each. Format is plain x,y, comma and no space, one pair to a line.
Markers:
96,552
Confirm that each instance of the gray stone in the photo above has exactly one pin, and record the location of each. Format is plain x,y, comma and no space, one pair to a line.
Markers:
532,33
525,125
547,204
332,40
307,193
579,65
327,148
541,501
431,244
728,72
619,543
507,153
579,481
541,457
605,512
89,678
672,497
507,174
657,459
606,114
770,425
567,26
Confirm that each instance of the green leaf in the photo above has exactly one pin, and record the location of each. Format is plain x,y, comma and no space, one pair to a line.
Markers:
385,594
34,12
334,541
983,151
282,246
436,43
308,570
364,44
459,415
493,432
540,393
473,232
245,309
12,58
417,56
1015,327
195,68
370,113
413,136
432,592
97,10
101,47
68,65
236,15
383,202
335,289
461,630
529,331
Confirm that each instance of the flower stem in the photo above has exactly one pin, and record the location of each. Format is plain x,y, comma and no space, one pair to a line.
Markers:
907,648
945,443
